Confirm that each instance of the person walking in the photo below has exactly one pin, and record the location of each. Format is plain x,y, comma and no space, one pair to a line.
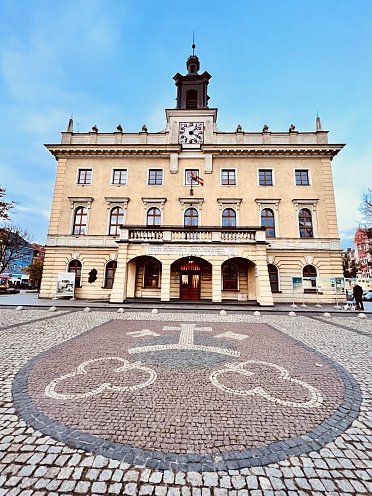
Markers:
358,294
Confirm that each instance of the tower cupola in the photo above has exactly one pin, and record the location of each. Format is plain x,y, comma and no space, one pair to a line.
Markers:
192,88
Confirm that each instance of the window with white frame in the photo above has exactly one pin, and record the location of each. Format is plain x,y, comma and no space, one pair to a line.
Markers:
153,216
265,177
85,176
119,176
302,177
80,221
229,218
116,220
190,177
228,177
155,177
268,221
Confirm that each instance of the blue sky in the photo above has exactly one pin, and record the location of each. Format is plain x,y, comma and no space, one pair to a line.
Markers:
275,61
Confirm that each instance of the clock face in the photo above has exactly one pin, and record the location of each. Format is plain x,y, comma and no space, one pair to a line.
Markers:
191,133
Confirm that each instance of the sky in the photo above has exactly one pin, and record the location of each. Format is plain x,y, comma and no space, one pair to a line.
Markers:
107,62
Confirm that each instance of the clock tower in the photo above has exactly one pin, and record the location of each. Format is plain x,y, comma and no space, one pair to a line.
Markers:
192,123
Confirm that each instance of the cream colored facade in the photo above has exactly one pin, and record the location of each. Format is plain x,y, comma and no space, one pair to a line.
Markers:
201,251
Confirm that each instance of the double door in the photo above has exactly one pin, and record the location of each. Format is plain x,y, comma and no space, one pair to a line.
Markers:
190,285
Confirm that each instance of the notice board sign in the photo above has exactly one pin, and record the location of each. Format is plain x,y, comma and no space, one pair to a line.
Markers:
65,284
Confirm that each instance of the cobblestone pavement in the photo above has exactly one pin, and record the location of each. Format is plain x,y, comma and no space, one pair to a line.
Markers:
277,405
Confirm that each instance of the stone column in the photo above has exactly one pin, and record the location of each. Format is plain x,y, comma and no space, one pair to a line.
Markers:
263,290
165,281
216,282
119,289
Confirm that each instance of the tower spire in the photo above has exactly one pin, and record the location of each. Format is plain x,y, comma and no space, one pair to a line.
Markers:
193,46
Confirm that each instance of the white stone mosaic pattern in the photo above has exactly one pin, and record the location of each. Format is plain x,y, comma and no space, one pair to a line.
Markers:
32,464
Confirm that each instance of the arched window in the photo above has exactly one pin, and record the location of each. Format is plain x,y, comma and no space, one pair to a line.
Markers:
309,274
151,274
191,217
75,266
228,218
274,278
80,221
153,217
305,223
268,221
229,276
110,273
191,99
309,271
116,220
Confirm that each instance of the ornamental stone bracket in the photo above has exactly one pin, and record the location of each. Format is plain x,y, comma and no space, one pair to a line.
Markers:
80,200
189,202
229,202
272,202
301,203
151,202
110,201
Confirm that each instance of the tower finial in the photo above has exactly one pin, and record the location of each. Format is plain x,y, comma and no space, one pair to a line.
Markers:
193,46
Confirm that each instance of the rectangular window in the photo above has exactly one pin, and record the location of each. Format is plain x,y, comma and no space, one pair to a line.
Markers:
85,176
191,176
265,177
155,176
228,177
119,176
302,177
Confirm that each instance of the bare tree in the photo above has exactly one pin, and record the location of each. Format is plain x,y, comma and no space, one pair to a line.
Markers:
5,206
13,244
366,208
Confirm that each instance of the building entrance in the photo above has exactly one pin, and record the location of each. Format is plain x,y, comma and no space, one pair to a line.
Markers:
190,278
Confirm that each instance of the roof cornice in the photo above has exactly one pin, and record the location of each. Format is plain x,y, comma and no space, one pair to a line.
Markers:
270,150
135,150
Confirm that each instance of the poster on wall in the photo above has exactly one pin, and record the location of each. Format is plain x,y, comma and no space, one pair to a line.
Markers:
338,283
297,284
65,284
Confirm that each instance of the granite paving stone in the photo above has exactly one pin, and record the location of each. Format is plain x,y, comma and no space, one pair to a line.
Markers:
208,440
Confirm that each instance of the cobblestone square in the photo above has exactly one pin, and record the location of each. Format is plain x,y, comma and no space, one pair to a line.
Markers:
184,404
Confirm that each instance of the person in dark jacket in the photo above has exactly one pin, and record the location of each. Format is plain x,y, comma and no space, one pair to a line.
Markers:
358,294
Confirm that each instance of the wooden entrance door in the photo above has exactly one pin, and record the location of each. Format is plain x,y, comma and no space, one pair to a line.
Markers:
190,285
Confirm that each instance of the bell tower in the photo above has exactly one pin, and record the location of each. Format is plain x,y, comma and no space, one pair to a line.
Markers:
192,88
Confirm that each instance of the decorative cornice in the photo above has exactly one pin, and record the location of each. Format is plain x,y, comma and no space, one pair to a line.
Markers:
78,151
270,150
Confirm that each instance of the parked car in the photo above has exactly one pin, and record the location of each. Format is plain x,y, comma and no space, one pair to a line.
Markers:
367,295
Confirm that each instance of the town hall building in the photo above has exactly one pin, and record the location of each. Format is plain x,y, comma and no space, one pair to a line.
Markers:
192,212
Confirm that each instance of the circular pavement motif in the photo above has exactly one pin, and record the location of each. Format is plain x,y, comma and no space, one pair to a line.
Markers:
180,395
